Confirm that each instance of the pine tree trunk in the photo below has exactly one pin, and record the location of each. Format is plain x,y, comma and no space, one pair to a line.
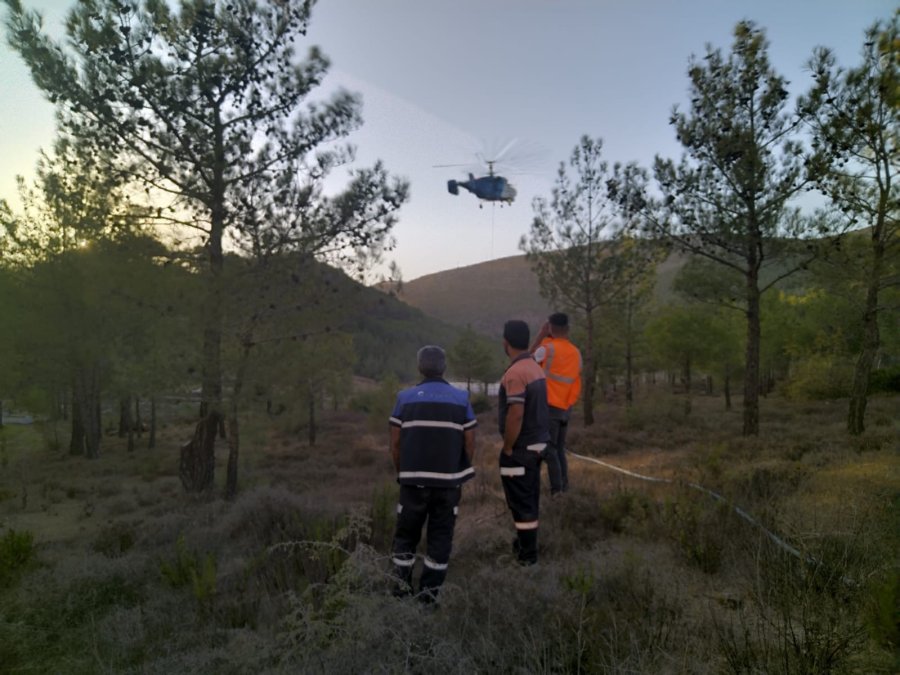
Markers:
856,417
686,381
751,368
629,386
151,442
137,417
234,442
86,395
727,391
202,447
234,438
95,430
126,424
124,415
590,376
312,420
76,442
196,466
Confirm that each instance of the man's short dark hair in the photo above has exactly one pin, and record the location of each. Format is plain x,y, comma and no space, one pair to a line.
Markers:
432,361
516,333
559,320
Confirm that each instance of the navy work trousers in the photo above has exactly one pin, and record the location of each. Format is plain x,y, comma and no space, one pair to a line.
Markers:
438,507
521,478
555,452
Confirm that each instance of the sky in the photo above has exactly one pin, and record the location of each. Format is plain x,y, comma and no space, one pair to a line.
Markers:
445,82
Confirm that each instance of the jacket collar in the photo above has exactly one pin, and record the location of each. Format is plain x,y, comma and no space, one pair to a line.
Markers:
432,379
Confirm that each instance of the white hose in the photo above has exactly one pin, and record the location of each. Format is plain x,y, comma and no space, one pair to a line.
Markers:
715,495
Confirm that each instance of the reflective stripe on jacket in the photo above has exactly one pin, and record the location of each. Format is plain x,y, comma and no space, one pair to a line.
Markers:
561,362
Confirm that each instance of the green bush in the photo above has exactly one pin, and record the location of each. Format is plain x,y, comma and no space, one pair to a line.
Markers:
114,541
883,615
379,403
382,515
820,377
695,523
46,629
885,380
623,509
16,553
481,404
193,570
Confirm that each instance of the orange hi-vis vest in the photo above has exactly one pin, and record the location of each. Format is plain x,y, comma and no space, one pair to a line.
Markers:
561,362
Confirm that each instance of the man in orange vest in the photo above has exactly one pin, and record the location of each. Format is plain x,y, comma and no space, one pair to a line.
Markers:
561,362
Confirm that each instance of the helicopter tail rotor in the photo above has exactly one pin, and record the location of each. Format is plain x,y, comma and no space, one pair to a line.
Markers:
452,187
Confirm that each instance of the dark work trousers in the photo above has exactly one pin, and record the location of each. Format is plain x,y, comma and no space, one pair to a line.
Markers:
522,486
555,452
438,506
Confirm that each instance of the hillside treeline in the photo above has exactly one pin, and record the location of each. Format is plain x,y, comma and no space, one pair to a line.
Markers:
178,238
788,209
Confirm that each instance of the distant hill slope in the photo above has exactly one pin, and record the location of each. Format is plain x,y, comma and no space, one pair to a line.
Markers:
387,332
296,295
487,294
483,295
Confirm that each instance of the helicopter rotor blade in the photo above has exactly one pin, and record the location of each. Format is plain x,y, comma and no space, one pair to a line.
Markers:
517,157
511,158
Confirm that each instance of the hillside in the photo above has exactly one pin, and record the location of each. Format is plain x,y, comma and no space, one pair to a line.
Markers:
487,294
483,295
295,295
386,331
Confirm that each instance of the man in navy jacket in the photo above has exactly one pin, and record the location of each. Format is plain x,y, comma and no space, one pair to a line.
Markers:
432,445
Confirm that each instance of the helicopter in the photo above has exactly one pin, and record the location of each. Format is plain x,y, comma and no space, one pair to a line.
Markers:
490,188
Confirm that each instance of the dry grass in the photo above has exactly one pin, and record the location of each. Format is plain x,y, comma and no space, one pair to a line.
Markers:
634,576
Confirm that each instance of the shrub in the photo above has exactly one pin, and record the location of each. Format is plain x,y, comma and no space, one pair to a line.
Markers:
820,377
623,509
115,541
384,501
885,380
54,620
379,403
191,569
16,553
481,404
696,525
883,613
803,615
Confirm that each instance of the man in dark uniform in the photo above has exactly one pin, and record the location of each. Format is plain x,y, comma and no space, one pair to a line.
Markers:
432,445
524,424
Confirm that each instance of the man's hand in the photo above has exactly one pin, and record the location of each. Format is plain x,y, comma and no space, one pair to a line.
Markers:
541,334
514,416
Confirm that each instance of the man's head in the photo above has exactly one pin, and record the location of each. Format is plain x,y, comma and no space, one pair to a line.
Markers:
559,324
515,334
432,361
